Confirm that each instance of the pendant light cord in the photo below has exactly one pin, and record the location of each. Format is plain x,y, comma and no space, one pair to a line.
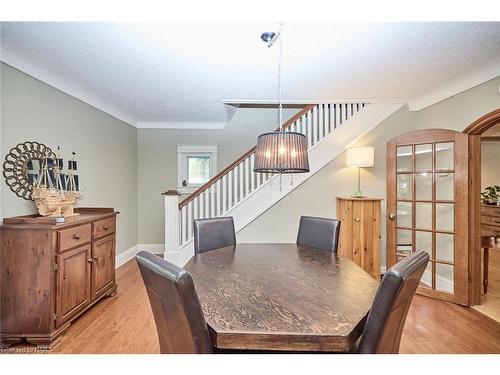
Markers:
280,55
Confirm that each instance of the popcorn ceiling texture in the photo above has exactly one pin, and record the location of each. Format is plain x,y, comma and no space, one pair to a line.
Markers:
176,75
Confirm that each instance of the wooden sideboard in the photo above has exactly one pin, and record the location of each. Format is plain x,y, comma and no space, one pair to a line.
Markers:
52,273
360,232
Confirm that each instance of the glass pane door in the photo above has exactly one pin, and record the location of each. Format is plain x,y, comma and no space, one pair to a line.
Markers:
425,209
426,202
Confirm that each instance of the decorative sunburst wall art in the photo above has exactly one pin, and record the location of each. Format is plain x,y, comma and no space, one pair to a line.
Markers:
22,166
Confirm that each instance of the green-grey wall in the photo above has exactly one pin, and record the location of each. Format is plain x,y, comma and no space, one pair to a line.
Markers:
128,168
157,160
106,148
316,196
490,157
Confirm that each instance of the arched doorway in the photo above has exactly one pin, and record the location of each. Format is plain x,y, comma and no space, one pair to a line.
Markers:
475,130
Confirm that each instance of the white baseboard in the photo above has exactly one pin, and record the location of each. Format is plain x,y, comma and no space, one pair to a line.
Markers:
129,254
152,248
125,256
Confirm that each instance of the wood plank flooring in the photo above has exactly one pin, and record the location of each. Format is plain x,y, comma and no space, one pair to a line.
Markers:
124,324
490,302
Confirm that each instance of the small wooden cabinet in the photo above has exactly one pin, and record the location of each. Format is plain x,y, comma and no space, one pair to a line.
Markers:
52,273
360,232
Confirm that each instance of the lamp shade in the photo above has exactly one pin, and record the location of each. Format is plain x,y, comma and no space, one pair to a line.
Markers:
281,152
359,157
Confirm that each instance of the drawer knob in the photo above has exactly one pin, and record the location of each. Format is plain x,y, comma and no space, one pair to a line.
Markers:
96,258
76,236
105,227
90,260
356,219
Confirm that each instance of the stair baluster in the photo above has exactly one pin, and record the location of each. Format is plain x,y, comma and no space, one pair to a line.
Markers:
238,181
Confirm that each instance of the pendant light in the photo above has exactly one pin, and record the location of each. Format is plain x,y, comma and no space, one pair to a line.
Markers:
280,151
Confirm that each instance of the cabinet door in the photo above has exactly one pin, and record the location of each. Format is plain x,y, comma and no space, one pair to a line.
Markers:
370,234
103,265
73,287
344,214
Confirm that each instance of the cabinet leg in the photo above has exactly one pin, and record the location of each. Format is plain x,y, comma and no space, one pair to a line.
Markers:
7,342
112,291
41,342
486,261
45,343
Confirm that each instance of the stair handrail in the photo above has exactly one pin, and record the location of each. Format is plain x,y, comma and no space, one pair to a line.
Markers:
231,166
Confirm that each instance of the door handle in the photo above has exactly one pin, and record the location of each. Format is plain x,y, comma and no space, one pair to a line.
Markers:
392,217
96,258
90,260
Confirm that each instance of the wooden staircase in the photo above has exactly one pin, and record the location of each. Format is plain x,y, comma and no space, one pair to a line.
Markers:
239,192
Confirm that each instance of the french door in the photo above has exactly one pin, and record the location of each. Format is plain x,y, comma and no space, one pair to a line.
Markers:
427,208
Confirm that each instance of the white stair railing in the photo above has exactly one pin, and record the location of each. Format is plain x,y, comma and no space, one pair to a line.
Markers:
238,182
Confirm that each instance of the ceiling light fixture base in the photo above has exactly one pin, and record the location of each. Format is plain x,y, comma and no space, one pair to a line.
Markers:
269,37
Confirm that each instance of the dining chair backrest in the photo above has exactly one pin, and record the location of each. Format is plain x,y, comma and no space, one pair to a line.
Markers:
176,309
385,322
319,233
214,233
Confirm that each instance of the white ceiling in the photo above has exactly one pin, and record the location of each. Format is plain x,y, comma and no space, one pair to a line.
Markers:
179,74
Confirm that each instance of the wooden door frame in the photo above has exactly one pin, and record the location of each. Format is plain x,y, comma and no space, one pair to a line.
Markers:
474,131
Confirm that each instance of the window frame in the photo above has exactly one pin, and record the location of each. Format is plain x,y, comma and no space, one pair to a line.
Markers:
186,151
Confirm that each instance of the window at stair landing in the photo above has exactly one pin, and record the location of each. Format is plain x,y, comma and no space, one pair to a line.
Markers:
195,166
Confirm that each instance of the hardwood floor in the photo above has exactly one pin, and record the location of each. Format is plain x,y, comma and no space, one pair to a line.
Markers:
490,302
124,324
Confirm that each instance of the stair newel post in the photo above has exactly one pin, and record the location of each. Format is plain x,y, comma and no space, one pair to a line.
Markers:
171,221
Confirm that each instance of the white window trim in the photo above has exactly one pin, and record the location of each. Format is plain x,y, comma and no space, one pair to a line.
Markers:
183,151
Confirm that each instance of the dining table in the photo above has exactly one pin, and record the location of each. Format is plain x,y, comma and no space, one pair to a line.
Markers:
281,297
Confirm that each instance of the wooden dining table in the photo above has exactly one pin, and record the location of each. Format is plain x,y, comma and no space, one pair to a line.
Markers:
281,297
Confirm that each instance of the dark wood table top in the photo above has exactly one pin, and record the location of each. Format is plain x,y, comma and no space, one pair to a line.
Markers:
281,297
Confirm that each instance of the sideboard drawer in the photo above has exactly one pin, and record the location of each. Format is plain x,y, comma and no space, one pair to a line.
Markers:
490,211
103,228
488,230
491,220
69,238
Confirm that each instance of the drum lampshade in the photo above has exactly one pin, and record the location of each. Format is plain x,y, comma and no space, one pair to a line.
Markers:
281,152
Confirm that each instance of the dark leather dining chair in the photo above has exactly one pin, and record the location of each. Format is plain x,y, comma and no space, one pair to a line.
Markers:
211,234
176,309
385,322
319,233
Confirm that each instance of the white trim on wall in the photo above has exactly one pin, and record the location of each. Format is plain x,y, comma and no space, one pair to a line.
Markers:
304,102
197,148
185,151
184,125
125,256
67,87
129,254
